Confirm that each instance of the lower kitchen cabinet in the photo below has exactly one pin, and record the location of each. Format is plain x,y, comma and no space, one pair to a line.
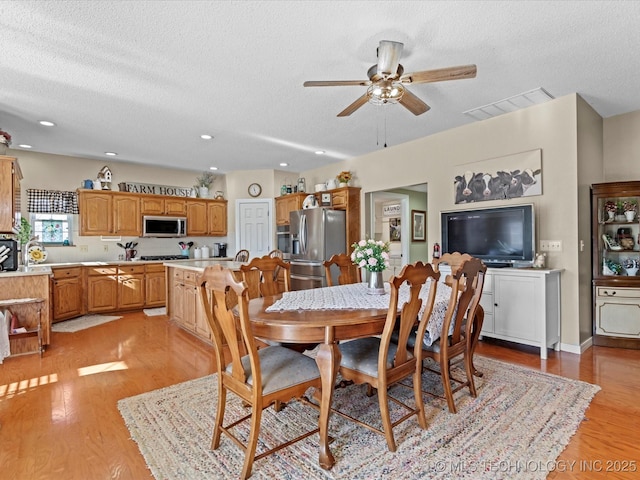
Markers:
131,287
102,289
68,293
185,306
155,285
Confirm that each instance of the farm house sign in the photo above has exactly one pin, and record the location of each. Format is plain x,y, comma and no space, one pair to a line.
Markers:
155,189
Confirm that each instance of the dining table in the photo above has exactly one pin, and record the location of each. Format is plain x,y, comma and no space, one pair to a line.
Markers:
326,316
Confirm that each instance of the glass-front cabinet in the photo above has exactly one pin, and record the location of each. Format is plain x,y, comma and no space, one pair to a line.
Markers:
616,263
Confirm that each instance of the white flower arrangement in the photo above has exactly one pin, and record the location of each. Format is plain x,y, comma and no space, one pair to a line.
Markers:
371,255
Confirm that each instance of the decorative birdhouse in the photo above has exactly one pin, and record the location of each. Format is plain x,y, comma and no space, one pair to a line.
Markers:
104,175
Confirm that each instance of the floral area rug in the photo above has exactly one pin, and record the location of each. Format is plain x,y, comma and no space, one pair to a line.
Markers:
516,427
80,323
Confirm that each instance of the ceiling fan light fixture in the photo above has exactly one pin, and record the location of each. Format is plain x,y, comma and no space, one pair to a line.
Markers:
382,94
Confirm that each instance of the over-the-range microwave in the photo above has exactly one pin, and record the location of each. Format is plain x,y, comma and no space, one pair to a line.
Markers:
164,226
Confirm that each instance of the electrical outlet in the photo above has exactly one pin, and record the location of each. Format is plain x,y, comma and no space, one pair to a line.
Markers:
555,245
544,245
105,248
84,248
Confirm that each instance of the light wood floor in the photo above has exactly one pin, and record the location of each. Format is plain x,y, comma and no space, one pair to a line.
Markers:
59,418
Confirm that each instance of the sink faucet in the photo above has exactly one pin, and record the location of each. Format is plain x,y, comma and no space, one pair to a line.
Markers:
26,259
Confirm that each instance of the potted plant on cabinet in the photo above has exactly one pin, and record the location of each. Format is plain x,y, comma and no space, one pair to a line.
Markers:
630,207
203,183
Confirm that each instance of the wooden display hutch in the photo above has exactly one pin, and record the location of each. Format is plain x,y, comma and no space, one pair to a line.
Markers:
616,258
29,314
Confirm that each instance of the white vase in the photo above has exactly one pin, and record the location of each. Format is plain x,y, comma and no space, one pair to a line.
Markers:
343,184
630,215
632,271
204,192
611,215
376,284
3,148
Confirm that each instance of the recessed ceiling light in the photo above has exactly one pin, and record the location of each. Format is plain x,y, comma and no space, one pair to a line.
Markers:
111,154
319,152
25,146
47,123
213,168
206,137
284,164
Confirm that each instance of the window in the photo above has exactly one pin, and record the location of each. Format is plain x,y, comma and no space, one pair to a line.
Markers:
52,228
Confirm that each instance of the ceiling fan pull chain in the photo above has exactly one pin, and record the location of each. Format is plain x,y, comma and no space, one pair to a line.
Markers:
385,128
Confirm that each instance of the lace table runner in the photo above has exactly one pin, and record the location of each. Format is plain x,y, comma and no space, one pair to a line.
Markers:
355,297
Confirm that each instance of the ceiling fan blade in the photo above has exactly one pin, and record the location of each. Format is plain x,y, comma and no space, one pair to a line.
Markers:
336,83
389,57
354,106
413,103
441,74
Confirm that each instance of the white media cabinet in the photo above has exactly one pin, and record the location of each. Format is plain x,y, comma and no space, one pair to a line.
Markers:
521,305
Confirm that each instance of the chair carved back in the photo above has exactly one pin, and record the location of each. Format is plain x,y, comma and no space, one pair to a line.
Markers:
242,256
454,260
349,273
261,276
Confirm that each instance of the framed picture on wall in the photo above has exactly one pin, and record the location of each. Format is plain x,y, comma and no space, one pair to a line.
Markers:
418,221
394,229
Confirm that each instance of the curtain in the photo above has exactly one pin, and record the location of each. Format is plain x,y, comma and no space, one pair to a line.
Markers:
51,201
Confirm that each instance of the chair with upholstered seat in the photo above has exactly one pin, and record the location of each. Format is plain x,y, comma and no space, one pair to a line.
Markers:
261,377
381,363
261,275
460,329
349,272
242,256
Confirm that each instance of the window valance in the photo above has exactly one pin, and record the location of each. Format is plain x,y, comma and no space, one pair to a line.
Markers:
51,201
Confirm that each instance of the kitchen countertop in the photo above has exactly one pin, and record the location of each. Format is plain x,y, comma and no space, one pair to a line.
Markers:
46,268
200,265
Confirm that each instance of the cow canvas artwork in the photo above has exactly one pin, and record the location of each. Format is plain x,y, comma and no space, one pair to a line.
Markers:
502,178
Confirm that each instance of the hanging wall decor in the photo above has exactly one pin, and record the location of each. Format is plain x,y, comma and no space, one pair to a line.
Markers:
502,178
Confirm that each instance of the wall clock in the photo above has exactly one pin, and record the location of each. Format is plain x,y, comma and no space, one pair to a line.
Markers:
255,189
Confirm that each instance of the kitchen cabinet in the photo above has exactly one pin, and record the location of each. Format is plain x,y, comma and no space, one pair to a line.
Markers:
159,205
155,285
95,208
197,218
126,215
68,293
521,305
131,287
615,260
217,218
10,177
184,305
104,212
286,204
102,289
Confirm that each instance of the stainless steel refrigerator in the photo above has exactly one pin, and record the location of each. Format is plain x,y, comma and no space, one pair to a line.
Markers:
316,234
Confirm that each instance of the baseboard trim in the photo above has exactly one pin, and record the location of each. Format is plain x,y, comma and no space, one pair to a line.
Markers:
577,349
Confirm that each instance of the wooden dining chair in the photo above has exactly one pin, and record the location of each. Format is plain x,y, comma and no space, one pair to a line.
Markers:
242,256
277,253
261,275
454,260
261,377
381,363
349,272
460,330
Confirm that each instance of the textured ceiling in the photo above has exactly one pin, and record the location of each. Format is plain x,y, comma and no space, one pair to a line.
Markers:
146,79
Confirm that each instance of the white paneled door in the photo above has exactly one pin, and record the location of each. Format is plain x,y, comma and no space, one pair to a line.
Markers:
254,226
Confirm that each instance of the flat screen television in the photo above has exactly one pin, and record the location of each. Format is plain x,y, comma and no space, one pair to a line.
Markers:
499,236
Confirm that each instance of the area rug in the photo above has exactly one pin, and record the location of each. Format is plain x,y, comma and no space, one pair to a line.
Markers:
154,312
518,425
80,323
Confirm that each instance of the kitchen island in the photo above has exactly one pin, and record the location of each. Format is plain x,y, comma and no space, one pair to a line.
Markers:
183,304
33,283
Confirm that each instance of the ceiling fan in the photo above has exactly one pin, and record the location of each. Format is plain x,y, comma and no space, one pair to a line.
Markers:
387,81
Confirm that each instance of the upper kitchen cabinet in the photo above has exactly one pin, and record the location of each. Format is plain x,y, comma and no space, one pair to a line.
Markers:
157,205
10,176
109,213
286,204
197,218
217,218
95,212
